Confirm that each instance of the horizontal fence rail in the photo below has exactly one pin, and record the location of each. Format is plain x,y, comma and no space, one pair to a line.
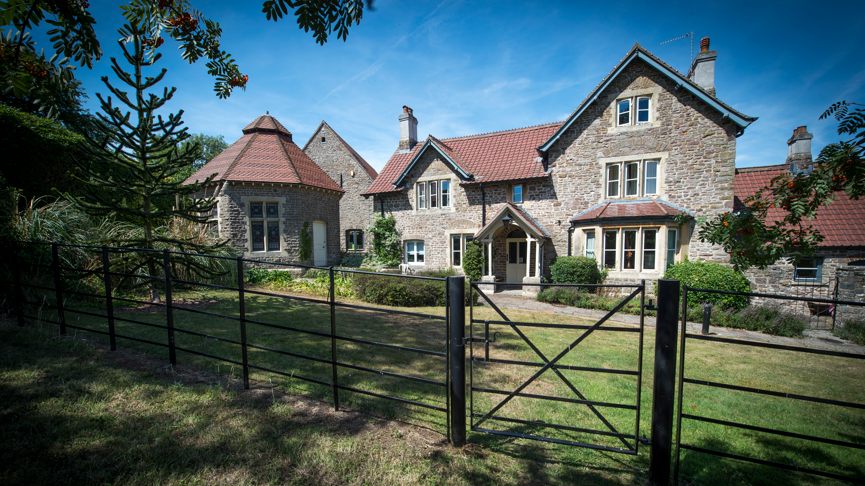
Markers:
683,379
56,298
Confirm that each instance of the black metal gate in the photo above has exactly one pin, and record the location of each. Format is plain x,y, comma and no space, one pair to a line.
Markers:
629,442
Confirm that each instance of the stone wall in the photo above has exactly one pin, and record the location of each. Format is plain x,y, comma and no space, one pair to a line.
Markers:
297,204
851,288
355,211
697,169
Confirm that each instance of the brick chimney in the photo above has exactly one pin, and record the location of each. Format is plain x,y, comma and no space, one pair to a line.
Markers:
799,149
407,129
702,69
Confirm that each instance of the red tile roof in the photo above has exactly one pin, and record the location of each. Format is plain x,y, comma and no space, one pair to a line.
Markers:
360,160
265,153
490,157
842,222
641,209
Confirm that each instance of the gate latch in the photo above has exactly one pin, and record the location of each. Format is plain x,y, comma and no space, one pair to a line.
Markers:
480,339
650,307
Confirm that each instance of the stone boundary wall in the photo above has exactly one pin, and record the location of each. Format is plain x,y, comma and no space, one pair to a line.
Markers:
851,287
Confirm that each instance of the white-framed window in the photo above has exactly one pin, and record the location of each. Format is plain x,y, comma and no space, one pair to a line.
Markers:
650,181
433,194
650,249
610,237
264,225
623,112
633,111
446,194
421,195
590,244
629,249
459,243
354,240
643,111
414,252
672,246
632,178
517,194
613,179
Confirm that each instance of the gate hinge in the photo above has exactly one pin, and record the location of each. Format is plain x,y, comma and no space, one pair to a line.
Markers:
645,440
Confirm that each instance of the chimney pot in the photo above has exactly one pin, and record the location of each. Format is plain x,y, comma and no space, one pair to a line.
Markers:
704,44
702,69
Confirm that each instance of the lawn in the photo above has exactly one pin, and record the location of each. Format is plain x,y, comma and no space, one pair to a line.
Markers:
216,429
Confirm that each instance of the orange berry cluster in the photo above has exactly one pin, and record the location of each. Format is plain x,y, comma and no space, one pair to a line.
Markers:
184,22
35,69
150,42
239,80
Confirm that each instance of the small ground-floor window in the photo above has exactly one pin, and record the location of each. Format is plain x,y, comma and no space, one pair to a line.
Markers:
808,269
354,240
458,248
264,223
414,252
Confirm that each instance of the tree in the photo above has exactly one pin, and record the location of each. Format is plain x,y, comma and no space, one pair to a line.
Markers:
26,74
759,234
143,154
207,147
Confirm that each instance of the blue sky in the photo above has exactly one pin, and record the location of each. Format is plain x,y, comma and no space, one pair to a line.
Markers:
475,67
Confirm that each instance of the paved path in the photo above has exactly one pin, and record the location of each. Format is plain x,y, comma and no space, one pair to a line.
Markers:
813,339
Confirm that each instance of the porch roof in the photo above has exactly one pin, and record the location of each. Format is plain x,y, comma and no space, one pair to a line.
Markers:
521,218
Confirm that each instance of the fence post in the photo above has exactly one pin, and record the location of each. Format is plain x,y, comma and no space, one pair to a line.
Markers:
333,341
663,388
55,262
707,318
242,301
457,291
169,310
109,301
16,279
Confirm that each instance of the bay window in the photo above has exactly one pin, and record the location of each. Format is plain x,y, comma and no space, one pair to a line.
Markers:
590,244
610,238
650,243
629,249
672,245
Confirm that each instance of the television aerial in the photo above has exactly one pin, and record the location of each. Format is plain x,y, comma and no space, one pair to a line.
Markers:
689,34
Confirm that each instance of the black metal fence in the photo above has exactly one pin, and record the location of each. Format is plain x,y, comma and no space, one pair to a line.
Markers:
763,412
54,295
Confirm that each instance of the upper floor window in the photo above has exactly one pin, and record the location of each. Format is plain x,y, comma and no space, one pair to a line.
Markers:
517,194
354,240
633,111
264,225
414,252
640,178
433,194
322,140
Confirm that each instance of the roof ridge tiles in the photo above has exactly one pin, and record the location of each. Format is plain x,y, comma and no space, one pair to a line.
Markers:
290,161
503,132
762,168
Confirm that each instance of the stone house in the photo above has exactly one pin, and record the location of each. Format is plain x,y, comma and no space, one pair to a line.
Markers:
266,189
842,224
354,175
646,144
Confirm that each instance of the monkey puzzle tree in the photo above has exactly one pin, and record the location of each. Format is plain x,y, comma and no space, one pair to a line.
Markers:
133,159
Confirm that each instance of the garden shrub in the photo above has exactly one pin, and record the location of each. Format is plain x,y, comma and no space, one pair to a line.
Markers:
262,276
352,259
386,243
402,291
558,295
852,331
473,260
766,318
438,273
715,276
575,270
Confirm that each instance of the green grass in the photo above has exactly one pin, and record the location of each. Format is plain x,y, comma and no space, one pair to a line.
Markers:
852,331
489,460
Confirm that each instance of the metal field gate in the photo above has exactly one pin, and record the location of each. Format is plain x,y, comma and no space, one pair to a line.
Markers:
504,403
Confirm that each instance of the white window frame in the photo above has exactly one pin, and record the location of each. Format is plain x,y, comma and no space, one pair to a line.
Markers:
414,252
264,219
636,180
621,182
646,177
618,180
637,110
635,249
433,194
614,250
644,250
674,247
421,195
445,198
514,194
619,111
586,249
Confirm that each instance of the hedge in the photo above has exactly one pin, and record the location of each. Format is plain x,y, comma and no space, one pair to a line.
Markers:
402,291
714,276
575,270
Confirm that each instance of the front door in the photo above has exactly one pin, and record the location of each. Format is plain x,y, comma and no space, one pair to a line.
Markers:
319,243
517,256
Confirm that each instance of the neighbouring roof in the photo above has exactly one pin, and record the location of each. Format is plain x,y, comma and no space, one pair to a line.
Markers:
640,209
638,52
521,218
360,160
490,157
842,222
265,153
